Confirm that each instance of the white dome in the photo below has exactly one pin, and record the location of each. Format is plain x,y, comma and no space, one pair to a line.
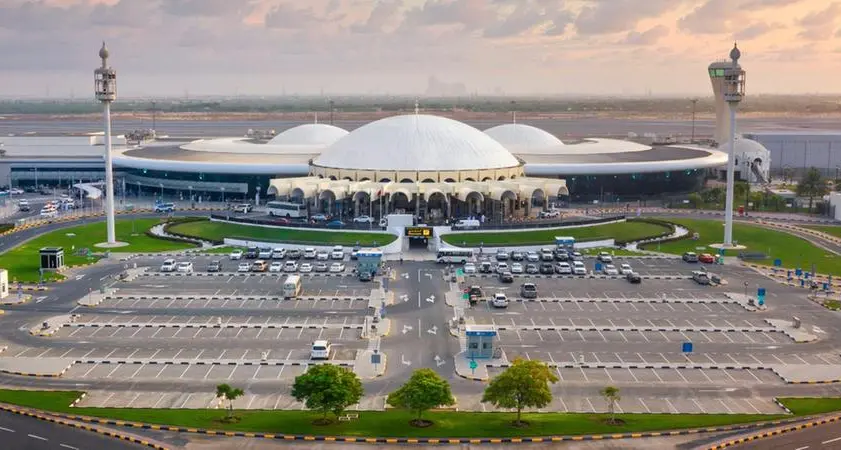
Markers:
309,134
747,147
416,142
520,138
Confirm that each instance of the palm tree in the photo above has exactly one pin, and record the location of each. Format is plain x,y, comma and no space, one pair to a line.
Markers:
812,185
611,395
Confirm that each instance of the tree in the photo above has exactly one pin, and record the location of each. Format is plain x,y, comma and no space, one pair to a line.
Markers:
695,200
611,395
424,390
812,185
327,388
524,384
226,392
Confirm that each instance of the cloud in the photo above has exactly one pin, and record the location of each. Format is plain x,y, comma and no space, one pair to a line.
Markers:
614,16
471,14
560,23
820,25
709,18
383,14
523,18
290,17
755,30
648,37
209,8
750,5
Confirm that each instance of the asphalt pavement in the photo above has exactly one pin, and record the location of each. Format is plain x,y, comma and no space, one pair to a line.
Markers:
29,433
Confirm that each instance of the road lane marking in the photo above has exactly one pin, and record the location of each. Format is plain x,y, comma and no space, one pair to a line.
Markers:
35,436
831,441
7,429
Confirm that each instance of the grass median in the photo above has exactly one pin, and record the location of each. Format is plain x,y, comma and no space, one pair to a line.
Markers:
831,230
621,231
395,423
217,231
23,261
794,251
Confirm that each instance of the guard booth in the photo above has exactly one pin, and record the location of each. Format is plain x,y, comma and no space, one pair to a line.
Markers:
481,341
4,283
564,243
369,260
52,259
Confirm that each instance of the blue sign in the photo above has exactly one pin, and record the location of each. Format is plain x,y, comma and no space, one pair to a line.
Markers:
721,252
598,267
760,296
376,358
789,274
382,310
826,286
481,333
798,271
686,347
778,262
802,283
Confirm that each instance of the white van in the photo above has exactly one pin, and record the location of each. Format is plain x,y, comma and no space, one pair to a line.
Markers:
320,350
467,224
292,286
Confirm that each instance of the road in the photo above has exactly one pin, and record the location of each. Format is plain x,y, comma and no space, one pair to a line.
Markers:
823,437
28,433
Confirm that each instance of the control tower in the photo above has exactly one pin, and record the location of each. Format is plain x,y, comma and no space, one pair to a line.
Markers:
718,77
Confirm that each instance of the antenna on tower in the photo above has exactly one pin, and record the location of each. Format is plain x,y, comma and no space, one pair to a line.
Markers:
417,107
316,117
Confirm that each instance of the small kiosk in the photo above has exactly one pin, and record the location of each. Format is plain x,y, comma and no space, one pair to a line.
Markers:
565,243
4,283
481,341
368,260
52,259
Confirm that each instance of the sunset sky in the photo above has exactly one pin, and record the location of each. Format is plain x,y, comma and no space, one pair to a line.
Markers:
247,47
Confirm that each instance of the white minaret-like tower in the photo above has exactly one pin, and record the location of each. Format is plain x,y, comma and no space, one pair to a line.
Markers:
733,90
105,88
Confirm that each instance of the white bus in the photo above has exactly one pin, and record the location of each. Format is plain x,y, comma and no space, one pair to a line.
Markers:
292,286
286,209
454,255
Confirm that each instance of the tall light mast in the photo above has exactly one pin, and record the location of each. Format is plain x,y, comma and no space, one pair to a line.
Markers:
105,88
733,92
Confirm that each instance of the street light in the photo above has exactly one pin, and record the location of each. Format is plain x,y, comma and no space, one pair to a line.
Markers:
746,289
162,190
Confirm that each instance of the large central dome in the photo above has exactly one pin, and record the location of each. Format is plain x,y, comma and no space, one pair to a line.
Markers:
416,142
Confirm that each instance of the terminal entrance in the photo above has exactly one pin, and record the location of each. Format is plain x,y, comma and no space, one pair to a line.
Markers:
418,237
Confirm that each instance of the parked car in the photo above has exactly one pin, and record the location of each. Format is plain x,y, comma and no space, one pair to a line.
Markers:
23,206
506,277
365,276
252,252
486,267
305,268
546,255
281,221
276,266
528,290
576,256
279,253
633,278
265,253
164,207
550,214
310,253
690,257
706,258
335,224
470,268
502,255
322,255
354,253
168,265
502,267
363,219
337,267
516,256
547,268
499,300
320,267
563,268
516,268
259,266
318,217
338,253
701,277
214,266
532,269
184,267
610,269
293,254
243,208
605,257
290,266
578,268
321,350
235,254
561,255
625,269
244,267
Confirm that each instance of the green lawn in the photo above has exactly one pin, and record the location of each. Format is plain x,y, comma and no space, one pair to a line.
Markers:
394,423
23,261
828,229
216,231
792,250
622,231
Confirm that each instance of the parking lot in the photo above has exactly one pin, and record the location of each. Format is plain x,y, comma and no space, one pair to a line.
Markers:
644,266
344,350
227,302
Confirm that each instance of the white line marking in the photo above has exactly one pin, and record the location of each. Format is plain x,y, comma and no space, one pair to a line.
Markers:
35,436
7,429
822,443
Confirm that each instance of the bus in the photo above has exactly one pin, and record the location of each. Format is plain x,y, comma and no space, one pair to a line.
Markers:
286,209
454,255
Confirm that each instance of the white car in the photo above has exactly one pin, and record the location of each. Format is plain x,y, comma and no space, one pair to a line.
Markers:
243,208
499,300
578,268
605,257
552,213
532,268
469,268
322,256
16,191
290,266
516,268
337,268
184,267
168,265
265,253
305,268
502,267
610,269
278,253
244,267
338,252
563,268
276,266
236,254
625,269
532,257
363,219
309,253
320,350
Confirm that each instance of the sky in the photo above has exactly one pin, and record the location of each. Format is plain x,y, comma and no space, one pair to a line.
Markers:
516,47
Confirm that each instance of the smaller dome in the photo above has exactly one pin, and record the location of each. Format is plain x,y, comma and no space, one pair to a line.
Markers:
526,139
309,134
735,54
745,146
103,52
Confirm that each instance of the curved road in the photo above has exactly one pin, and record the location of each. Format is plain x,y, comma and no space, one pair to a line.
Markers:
29,433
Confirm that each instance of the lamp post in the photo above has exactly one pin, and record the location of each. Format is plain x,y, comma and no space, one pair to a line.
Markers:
734,79
694,104
162,191
105,86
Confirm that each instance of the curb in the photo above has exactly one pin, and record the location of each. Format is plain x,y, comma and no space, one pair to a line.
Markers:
777,432
58,420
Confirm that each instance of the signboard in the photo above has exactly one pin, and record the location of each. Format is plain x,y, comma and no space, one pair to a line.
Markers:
481,333
473,365
760,296
686,347
778,262
598,267
421,232
376,358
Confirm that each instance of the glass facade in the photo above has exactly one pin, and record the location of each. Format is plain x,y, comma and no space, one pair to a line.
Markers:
240,185
629,187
